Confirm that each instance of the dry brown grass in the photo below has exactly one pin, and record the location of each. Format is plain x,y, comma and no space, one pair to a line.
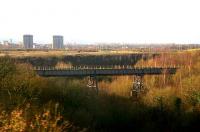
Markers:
119,86
39,53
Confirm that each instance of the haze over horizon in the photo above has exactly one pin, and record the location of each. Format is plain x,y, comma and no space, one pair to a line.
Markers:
96,21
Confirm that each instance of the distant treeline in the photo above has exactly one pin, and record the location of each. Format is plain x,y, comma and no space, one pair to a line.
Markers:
87,60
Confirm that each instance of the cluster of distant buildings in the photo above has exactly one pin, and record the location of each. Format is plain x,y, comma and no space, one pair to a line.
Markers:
57,42
28,43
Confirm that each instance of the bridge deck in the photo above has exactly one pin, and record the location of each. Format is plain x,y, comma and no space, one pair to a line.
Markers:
47,72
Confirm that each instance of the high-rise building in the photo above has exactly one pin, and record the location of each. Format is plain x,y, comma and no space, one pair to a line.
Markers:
28,41
58,42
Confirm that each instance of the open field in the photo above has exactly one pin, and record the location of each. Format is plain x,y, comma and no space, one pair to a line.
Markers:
47,53
58,53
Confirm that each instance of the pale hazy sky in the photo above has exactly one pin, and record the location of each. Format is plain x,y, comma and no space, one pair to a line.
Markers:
87,21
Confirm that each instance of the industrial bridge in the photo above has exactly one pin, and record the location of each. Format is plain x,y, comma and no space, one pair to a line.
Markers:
93,72
83,71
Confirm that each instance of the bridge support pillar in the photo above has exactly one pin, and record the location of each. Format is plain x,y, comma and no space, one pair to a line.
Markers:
138,86
93,83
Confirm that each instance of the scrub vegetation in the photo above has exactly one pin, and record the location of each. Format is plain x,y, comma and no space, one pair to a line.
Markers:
32,103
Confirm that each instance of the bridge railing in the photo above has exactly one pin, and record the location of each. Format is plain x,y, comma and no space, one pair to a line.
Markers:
99,67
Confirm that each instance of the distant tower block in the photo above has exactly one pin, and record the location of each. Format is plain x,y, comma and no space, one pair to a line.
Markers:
28,41
58,42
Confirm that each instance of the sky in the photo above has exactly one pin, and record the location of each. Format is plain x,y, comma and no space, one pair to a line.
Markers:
97,21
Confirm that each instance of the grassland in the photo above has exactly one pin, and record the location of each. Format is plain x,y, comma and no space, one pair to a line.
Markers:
57,53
